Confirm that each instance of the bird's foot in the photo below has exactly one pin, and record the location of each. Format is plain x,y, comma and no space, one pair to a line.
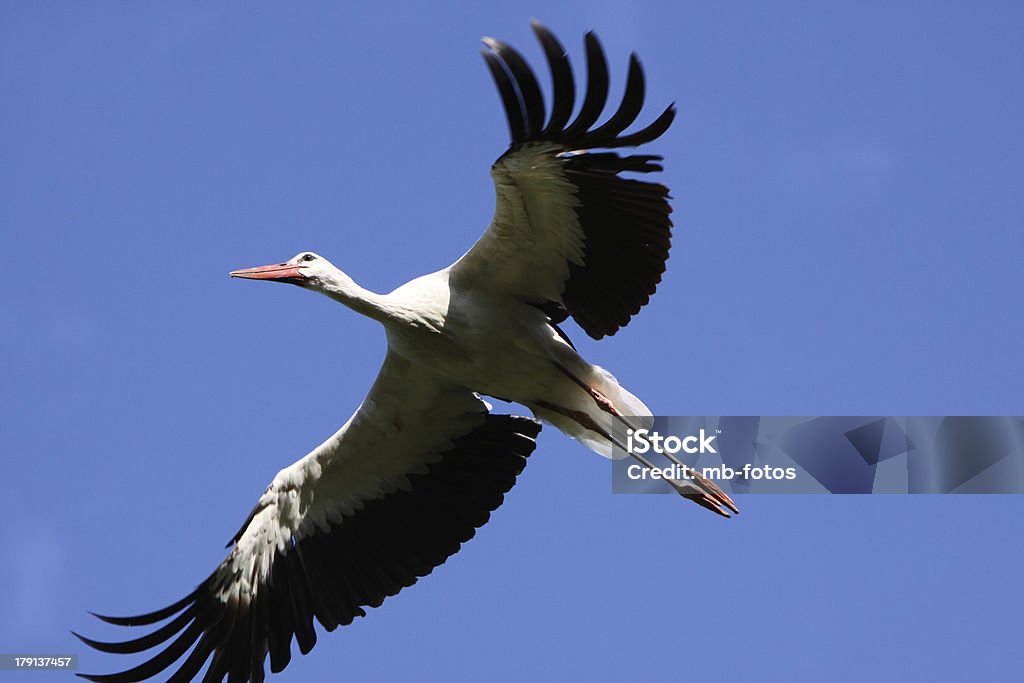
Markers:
696,487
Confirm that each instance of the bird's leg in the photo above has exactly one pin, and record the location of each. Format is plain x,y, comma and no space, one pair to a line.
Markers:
603,402
599,398
695,486
579,417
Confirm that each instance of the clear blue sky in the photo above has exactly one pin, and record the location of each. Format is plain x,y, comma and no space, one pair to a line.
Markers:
850,223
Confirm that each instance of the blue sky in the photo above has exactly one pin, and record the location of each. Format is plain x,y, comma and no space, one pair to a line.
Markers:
847,181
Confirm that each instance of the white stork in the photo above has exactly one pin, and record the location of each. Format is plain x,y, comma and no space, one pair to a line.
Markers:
422,463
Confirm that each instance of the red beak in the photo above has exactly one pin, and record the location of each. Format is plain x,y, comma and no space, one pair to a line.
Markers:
282,272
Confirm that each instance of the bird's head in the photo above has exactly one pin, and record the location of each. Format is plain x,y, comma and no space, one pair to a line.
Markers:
305,269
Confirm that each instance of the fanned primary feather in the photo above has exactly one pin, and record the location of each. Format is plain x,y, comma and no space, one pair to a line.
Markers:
422,463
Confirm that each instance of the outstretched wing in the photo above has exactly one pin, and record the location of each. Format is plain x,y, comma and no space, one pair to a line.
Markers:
568,231
394,493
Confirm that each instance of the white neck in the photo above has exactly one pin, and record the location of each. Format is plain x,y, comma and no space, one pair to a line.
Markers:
344,289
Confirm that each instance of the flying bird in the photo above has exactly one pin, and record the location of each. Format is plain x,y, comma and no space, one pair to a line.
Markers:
423,462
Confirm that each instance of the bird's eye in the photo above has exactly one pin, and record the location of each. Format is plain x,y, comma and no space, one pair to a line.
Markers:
308,257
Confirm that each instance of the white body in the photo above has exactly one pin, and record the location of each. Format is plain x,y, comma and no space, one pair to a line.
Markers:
494,344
